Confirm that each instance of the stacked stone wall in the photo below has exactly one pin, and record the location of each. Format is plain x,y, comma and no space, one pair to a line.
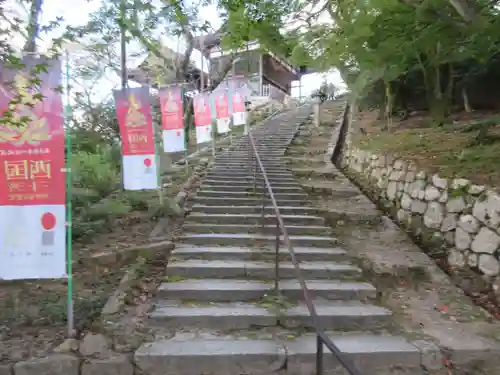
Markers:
455,220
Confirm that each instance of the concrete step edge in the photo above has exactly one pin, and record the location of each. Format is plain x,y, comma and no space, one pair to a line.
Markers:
229,355
256,216
234,310
215,226
232,285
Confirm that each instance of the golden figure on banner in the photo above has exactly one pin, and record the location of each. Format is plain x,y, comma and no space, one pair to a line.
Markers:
135,118
26,126
171,103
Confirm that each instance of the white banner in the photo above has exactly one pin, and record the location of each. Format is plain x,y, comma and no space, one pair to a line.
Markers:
223,125
32,242
239,118
173,140
140,172
203,134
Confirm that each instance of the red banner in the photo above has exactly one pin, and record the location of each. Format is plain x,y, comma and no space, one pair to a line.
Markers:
32,149
172,116
238,101
202,115
221,104
134,112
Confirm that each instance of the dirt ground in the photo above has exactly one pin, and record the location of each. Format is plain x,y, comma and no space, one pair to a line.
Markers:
450,150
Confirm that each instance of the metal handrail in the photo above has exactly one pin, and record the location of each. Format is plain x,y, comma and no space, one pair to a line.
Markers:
321,337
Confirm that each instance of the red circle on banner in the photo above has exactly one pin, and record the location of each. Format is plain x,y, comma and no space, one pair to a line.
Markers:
147,162
48,220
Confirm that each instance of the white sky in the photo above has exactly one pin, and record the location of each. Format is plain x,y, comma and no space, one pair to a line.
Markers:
78,12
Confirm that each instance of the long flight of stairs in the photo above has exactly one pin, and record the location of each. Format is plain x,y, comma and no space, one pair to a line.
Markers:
217,313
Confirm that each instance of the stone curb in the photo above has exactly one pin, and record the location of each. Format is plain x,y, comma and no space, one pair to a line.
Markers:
154,252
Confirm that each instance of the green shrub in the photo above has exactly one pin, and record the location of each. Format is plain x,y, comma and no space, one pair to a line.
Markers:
96,172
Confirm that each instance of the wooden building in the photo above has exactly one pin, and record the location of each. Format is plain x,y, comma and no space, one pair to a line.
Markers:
148,72
264,73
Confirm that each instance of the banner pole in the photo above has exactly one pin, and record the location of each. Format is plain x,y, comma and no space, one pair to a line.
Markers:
158,153
186,131
214,126
69,216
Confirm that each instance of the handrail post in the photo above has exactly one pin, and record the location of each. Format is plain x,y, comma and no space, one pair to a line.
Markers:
319,355
254,162
263,213
277,259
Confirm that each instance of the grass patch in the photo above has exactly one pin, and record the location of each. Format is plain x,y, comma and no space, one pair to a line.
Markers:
449,151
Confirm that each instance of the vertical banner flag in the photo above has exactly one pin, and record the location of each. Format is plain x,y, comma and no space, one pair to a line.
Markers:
202,118
238,104
172,118
221,99
32,169
134,112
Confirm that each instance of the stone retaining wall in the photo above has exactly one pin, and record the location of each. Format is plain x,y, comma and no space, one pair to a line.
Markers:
455,220
92,356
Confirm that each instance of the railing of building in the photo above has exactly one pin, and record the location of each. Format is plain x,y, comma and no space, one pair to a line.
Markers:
266,90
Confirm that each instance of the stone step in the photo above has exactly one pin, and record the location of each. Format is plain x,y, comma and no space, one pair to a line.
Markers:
235,158
332,191
257,201
248,183
249,188
249,178
303,160
230,160
353,217
284,210
323,173
254,219
246,353
246,239
260,254
226,269
251,194
247,228
249,155
232,290
251,171
335,315
278,166
249,174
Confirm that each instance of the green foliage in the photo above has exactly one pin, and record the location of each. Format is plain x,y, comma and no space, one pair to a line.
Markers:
97,171
397,52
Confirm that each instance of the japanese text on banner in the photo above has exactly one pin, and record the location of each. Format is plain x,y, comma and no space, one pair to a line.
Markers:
221,104
202,115
172,115
134,114
238,101
32,169
32,157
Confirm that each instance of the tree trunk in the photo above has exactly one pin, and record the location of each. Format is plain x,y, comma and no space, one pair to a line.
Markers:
388,106
465,98
33,26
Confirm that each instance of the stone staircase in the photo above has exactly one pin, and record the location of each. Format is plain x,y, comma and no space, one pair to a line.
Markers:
217,313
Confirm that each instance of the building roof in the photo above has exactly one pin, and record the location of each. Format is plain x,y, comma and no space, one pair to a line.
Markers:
148,72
